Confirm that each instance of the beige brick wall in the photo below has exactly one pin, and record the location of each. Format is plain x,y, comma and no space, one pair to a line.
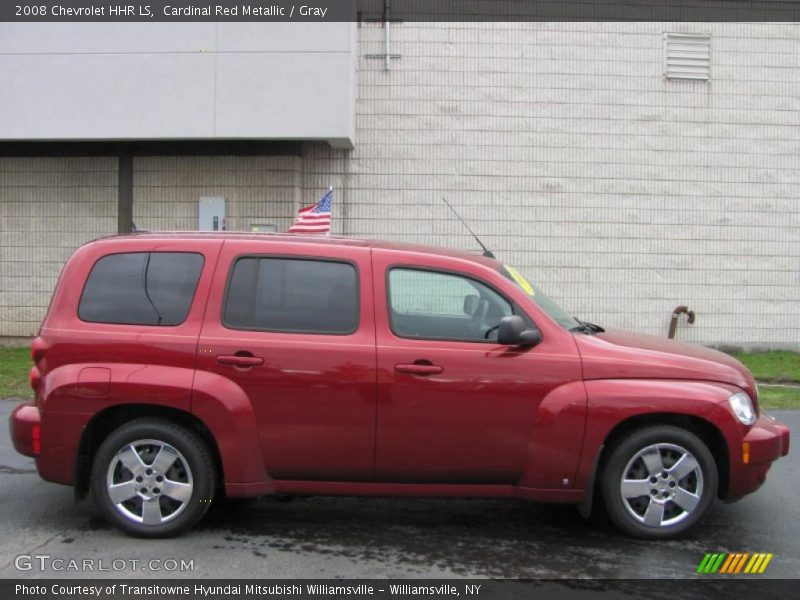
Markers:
257,189
622,194
48,207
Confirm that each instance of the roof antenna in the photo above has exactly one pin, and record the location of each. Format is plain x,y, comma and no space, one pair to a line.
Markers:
486,252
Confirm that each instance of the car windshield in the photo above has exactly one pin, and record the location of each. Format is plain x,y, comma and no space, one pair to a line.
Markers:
558,314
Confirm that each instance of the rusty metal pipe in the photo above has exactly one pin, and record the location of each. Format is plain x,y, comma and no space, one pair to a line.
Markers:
673,324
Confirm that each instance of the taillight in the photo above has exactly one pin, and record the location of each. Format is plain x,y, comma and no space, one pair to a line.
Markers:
36,439
38,348
26,429
34,377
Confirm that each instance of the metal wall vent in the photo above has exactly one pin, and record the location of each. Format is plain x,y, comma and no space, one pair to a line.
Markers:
687,56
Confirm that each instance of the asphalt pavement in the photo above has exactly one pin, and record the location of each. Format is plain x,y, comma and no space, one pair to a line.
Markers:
375,537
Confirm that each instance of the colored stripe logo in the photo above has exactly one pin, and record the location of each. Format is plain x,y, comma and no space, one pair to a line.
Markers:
734,563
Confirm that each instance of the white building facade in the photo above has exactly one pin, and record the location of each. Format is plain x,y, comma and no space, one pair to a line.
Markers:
622,192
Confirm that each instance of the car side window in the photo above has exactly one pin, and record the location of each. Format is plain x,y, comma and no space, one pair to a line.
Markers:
292,295
141,288
443,306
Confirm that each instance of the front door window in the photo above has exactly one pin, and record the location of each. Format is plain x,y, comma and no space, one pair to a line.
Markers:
443,306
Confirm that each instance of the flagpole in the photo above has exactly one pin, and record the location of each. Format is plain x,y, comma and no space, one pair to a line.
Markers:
330,191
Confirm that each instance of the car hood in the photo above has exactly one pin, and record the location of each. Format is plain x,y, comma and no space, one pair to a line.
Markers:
623,355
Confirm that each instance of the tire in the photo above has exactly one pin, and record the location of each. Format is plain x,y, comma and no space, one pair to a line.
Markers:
675,473
153,478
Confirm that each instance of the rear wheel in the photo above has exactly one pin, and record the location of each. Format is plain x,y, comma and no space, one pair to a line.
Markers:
659,482
153,478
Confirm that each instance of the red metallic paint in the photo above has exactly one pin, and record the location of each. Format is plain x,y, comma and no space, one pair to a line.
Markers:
228,413
313,398
332,414
613,401
768,440
476,421
24,419
626,355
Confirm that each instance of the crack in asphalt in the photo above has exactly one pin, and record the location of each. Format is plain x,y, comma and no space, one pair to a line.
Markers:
6,470
34,549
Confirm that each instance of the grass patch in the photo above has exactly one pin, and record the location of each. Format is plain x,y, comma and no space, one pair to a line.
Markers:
15,363
775,367
774,397
772,367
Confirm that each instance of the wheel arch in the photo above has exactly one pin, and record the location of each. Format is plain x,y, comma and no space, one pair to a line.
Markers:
107,420
702,428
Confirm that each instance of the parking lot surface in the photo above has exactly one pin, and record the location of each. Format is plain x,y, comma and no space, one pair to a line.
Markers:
374,537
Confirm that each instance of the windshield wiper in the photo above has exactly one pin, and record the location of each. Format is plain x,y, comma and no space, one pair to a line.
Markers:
585,327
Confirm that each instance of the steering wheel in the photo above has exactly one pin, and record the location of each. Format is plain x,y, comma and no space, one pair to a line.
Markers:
474,327
490,330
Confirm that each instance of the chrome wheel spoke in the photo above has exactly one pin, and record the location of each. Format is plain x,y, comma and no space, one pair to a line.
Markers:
660,496
686,499
139,499
685,465
634,488
165,458
131,459
119,492
652,460
176,490
654,514
151,512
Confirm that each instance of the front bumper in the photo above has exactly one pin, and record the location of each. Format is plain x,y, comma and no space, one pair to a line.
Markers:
765,443
25,426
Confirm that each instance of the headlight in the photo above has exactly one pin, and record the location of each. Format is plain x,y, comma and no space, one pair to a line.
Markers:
742,407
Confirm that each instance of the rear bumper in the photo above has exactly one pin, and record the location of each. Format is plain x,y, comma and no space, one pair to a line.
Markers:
25,426
766,442
55,451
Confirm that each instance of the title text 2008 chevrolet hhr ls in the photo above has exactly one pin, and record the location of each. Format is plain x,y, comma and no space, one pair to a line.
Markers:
173,367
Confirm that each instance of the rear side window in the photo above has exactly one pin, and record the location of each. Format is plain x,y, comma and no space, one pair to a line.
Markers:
292,295
141,288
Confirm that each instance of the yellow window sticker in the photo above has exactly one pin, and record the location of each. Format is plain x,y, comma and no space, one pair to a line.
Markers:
517,276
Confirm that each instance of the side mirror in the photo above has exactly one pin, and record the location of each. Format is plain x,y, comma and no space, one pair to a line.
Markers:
512,332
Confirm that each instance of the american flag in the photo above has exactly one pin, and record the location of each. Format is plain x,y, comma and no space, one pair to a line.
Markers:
315,218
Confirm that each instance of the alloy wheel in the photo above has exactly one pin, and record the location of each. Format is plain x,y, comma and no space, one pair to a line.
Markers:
661,485
149,482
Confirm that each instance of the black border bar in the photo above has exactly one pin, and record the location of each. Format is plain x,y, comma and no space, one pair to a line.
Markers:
705,588
58,148
398,10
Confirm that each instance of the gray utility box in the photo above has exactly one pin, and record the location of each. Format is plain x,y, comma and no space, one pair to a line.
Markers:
211,213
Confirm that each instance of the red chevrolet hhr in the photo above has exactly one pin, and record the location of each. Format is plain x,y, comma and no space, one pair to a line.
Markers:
173,367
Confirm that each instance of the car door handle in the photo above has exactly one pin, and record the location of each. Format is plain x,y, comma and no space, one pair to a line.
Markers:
242,361
417,369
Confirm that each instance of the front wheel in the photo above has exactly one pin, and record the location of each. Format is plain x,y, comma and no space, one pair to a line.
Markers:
153,478
658,482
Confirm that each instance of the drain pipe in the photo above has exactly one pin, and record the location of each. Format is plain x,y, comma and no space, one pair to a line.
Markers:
673,324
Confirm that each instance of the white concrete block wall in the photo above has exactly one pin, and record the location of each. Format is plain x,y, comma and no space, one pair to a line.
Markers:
48,207
257,189
622,194
178,81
